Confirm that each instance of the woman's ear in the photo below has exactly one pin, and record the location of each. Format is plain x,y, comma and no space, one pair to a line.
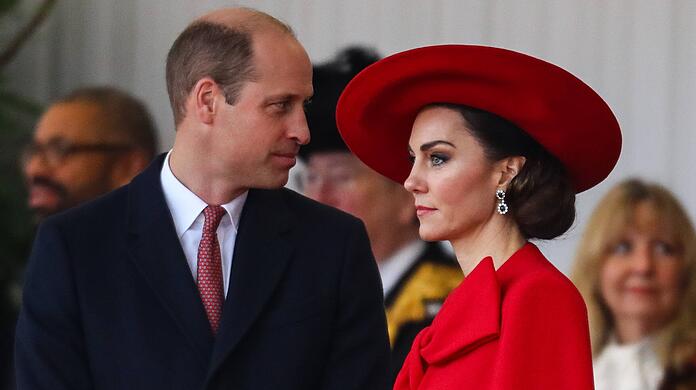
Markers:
509,167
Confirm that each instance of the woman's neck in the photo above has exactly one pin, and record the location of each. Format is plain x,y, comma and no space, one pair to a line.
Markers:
500,238
632,330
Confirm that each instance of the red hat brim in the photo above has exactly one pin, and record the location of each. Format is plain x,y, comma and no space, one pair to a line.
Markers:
376,111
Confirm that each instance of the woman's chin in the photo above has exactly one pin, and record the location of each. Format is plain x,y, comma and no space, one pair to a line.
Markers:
427,234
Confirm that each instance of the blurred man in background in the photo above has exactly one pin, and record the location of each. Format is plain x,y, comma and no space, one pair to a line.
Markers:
88,143
416,276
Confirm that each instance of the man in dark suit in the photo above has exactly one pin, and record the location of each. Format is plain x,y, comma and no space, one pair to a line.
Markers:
201,273
416,276
87,143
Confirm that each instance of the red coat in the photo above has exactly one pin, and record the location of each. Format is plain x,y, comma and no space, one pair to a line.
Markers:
521,327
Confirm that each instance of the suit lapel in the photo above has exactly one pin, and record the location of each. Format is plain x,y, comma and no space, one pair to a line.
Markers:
262,252
157,253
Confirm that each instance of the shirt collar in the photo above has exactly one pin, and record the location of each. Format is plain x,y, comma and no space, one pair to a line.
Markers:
644,346
185,206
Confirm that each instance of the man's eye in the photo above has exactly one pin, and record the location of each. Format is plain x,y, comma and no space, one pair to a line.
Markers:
411,159
59,147
282,106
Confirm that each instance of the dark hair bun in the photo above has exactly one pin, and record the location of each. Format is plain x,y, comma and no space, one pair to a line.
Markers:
541,198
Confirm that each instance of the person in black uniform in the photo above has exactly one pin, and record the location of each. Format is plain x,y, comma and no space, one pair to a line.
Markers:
416,276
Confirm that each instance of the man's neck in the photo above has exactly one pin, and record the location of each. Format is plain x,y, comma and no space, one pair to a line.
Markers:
199,178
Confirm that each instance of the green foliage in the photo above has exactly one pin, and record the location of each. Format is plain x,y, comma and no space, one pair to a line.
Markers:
17,115
7,5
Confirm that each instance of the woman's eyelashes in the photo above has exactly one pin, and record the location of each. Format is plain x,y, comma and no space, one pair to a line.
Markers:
656,247
435,159
438,159
621,248
663,248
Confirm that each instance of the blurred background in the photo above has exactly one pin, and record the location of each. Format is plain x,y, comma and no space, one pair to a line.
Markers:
639,55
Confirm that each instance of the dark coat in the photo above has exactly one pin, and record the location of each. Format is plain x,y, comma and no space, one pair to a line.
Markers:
110,303
8,317
683,378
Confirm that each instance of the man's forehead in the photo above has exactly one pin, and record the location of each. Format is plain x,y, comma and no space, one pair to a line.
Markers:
283,68
276,50
70,121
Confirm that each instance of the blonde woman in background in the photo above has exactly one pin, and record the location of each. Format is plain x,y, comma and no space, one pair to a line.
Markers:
636,269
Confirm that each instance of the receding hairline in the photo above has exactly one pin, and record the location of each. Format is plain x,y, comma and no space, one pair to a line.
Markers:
245,19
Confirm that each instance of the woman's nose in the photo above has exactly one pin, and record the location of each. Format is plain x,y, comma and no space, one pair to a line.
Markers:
643,260
414,183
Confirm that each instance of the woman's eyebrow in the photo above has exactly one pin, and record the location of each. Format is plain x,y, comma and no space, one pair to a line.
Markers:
429,145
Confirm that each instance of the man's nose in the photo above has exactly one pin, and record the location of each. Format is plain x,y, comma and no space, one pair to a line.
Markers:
298,129
35,165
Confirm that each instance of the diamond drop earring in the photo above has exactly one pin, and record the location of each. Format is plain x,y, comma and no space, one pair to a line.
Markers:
502,207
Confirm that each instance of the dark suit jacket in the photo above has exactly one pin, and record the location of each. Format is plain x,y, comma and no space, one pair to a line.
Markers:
110,303
8,317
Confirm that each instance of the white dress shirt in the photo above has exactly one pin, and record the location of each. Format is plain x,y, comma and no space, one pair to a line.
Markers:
392,268
628,366
187,212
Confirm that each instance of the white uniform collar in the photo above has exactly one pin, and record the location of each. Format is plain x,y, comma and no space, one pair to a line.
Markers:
393,267
628,366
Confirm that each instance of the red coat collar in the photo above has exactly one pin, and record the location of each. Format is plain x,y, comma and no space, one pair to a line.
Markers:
471,314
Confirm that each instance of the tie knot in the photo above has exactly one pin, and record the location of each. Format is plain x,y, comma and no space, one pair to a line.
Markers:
213,215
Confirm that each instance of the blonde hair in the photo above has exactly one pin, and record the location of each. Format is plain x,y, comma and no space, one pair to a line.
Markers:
676,342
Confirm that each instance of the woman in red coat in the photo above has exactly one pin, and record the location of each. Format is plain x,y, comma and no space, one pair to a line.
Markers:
499,143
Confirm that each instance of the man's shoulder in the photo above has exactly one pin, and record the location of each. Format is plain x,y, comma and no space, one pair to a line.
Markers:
105,211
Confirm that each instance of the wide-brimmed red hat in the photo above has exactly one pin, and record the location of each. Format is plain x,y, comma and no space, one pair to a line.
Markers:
377,109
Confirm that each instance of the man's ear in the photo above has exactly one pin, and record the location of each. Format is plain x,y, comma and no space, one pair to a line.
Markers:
203,99
509,167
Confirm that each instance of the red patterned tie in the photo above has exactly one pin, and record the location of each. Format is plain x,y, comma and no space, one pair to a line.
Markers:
210,267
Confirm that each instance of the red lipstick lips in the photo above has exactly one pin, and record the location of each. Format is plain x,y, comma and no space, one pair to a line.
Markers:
423,210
